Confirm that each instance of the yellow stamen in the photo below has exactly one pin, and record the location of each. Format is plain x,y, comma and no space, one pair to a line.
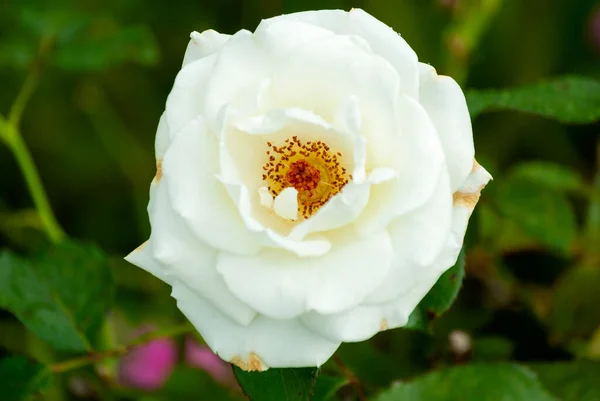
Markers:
311,167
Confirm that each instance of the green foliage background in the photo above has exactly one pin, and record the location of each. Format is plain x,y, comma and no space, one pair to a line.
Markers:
96,75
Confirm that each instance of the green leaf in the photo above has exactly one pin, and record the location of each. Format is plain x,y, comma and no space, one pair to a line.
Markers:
293,384
439,299
551,175
61,295
571,381
107,46
477,382
20,378
574,310
492,349
543,213
17,53
326,388
569,99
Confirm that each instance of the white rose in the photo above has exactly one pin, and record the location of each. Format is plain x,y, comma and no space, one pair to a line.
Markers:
313,182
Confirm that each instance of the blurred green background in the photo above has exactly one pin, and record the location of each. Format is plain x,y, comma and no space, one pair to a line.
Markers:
532,286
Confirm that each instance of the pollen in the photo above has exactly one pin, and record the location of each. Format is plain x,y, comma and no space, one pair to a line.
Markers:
311,167
303,176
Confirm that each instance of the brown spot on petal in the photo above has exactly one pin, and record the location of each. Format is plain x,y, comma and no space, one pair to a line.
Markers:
158,174
476,165
465,199
142,245
383,325
254,364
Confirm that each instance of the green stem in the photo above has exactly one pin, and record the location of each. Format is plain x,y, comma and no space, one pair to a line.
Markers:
15,142
462,38
10,133
119,351
18,106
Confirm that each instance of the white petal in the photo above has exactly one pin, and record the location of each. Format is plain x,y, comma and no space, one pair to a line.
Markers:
281,285
266,199
343,208
381,38
285,204
203,44
143,257
364,321
418,238
239,74
418,161
277,119
186,99
349,120
262,344
344,69
445,104
465,200
282,36
163,137
476,181
189,169
267,236
357,324
173,253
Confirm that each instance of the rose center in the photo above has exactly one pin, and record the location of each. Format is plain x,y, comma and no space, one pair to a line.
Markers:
303,176
311,167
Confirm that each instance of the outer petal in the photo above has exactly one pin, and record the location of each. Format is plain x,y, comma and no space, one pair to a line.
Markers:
364,321
418,161
203,44
238,76
382,39
198,197
418,239
187,100
280,285
445,104
163,138
173,253
464,201
357,324
143,257
262,344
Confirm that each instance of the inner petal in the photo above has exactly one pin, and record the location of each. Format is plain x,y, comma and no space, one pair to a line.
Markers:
285,149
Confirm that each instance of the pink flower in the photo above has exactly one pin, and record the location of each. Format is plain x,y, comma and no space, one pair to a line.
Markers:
200,356
148,366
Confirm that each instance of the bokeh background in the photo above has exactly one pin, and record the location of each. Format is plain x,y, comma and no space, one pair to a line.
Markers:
532,287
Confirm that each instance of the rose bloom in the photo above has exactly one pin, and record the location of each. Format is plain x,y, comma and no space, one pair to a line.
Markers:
313,182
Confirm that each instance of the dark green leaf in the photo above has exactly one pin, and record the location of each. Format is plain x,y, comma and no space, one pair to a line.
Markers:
477,382
21,378
61,295
439,299
552,175
568,99
17,53
295,384
542,212
571,381
327,387
492,349
107,46
574,311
